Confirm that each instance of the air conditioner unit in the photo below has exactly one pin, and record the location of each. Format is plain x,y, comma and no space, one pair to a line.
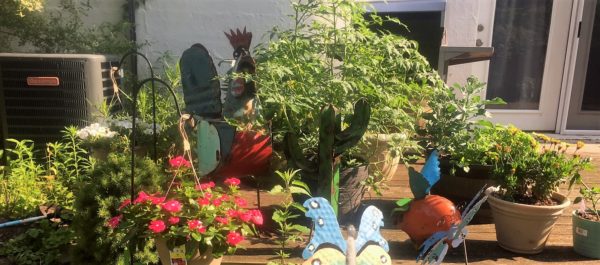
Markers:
44,93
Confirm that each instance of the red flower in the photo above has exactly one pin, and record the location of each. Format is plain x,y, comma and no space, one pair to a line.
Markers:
257,217
124,203
173,220
217,202
114,222
204,186
201,229
207,195
157,200
245,216
171,206
142,197
178,162
234,238
203,201
157,226
232,181
240,202
222,220
193,224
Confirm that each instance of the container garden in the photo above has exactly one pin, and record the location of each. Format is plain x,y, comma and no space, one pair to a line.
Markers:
522,228
377,150
586,236
166,257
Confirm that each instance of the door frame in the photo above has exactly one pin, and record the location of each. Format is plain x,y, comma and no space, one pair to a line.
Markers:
556,52
569,74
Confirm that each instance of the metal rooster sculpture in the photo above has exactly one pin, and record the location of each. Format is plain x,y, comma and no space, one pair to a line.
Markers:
433,222
221,150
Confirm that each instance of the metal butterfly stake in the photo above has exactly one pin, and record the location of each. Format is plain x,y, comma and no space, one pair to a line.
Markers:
327,246
433,222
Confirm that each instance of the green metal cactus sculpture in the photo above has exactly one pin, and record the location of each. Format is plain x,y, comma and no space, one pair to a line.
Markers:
333,142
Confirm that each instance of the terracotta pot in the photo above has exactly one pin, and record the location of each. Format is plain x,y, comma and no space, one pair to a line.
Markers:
586,236
523,228
197,259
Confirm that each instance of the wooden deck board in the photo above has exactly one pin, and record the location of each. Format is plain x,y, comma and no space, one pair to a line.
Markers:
481,243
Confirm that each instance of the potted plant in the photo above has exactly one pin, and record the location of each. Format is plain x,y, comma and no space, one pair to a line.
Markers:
586,219
199,222
331,55
527,202
97,138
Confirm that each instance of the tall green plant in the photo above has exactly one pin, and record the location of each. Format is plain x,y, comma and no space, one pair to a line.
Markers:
288,232
330,55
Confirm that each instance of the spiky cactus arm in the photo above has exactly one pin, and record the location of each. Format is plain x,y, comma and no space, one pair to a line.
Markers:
328,162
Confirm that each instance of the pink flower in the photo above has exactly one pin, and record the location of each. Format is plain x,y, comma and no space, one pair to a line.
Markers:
257,217
157,226
173,220
234,238
245,216
124,203
178,162
240,202
201,229
114,222
142,197
232,213
217,202
157,200
193,224
171,206
203,201
232,181
224,197
204,186
222,220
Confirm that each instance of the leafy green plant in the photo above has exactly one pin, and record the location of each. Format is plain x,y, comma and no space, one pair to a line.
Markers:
288,232
454,112
529,171
21,186
26,23
44,243
97,200
330,55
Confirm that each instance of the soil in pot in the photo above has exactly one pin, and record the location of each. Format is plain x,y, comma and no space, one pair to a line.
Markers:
586,236
522,228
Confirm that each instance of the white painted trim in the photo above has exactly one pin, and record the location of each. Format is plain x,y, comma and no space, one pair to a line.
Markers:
569,70
408,5
580,132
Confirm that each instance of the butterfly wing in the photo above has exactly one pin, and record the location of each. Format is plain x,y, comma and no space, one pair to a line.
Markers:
437,253
326,256
467,216
430,242
327,229
421,183
373,255
369,229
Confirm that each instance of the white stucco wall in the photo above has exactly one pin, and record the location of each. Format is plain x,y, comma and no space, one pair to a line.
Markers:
173,26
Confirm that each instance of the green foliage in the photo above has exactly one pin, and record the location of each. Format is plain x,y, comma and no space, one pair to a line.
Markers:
43,243
530,172
22,186
331,56
62,31
589,195
288,232
454,113
97,200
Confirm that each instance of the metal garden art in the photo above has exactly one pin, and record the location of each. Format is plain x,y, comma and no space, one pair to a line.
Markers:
223,150
433,222
333,142
327,246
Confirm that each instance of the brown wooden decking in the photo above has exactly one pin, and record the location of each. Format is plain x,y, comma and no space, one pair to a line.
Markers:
481,242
